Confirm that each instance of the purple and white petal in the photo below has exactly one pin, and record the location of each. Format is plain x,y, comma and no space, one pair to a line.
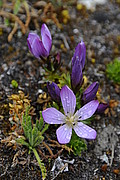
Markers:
83,49
68,100
53,116
45,30
84,131
30,39
80,53
38,48
87,110
32,36
64,134
46,38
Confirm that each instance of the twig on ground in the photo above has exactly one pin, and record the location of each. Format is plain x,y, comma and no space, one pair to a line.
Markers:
10,36
14,18
112,156
27,13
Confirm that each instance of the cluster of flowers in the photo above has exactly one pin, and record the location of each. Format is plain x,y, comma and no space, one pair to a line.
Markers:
70,119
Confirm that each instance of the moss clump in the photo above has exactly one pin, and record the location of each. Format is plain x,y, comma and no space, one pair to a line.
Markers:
14,83
77,144
113,71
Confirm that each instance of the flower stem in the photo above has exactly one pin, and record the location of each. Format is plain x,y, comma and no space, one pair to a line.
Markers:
41,165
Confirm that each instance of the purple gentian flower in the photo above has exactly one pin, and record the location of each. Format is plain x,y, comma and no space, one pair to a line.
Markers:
90,93
102,107
54,91
79,55
76,76
70,120
40,48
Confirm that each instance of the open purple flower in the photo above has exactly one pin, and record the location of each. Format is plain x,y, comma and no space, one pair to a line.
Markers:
90,93
70,120
40,48
79,55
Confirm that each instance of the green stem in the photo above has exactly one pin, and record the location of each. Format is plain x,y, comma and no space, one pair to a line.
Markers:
42,167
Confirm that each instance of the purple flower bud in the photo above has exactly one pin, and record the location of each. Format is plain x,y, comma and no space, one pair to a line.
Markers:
54,91
58,58
76,76
80,53
101,108
40,48
57,61
90,93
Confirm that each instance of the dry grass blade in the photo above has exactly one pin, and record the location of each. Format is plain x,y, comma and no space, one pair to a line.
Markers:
13,17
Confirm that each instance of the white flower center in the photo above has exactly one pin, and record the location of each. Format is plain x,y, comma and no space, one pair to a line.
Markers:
71,120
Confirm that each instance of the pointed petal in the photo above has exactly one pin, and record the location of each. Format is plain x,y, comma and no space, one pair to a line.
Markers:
32,36
84,131
30,39
80,53
53,116
87,110
54,91
45,30
68,100
90,93
64,134
84,53
46,38
38,48
102,107
76,72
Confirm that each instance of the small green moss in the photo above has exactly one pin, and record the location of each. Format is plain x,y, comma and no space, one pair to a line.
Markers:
14,84
77,144
113,71
1,3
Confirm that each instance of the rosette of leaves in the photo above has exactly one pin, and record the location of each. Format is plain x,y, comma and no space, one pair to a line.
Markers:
33,136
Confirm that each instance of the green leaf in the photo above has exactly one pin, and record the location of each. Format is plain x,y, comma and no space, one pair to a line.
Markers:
16,6
55,105
45,128
1,3
41,165
22,141
64,79
40,123
38,139
7,22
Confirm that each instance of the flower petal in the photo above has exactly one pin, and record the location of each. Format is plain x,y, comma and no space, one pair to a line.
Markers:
32,36
38,48
68,100
64,134
80,53
30,39
46,37
102,107
53,116
54,91
84,131
76,72
90,93
87,110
